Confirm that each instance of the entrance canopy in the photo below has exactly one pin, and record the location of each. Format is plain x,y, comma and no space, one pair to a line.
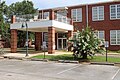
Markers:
42,26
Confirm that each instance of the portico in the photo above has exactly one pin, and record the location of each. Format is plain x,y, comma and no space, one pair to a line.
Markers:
51,26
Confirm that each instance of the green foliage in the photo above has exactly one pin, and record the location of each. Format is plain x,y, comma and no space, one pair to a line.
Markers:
18,8
4,27
103,59
86,43
22,8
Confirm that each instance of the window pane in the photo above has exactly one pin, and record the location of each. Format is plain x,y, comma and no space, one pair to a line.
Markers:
113,42
113,36
74,14
98,13
113,11
77,14
118,11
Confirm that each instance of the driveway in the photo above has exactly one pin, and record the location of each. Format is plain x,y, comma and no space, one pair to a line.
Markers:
36,70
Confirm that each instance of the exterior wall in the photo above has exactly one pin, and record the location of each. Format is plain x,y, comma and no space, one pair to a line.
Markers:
78,25
105,24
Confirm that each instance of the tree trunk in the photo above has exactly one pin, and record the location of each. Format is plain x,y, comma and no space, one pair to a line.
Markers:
84,56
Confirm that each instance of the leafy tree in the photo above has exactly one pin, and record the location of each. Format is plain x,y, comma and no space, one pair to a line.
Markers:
4,27
86,43
22,8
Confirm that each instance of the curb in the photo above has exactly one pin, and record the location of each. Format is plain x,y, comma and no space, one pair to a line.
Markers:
11,57
102,63
60,61
33,59
68,61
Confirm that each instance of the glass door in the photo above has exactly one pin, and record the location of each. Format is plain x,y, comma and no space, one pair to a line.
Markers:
59,43
62,43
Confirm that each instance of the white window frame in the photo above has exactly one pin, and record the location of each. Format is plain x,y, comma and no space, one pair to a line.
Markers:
98,33
116,17
76,15
98,13
116,31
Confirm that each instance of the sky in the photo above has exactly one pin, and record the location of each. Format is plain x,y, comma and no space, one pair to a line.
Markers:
45,4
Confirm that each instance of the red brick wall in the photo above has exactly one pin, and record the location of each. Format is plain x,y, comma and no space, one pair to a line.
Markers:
105,24
13,40
51,40
38,40
78,25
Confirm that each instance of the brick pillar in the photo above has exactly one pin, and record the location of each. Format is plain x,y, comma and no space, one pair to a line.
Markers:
13,40
51,40
38,40
70,34
52,15
13,36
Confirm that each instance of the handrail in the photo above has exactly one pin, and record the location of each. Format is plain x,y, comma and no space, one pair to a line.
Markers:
36,17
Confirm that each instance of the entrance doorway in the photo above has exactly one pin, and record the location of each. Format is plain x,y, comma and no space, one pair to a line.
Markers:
62,43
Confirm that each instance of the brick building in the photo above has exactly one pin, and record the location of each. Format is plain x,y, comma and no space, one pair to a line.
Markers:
56,25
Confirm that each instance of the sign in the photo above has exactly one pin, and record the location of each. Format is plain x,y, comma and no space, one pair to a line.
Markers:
106,44
44,44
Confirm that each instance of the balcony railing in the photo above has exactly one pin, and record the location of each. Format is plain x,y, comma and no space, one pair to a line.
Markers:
61,18
36,17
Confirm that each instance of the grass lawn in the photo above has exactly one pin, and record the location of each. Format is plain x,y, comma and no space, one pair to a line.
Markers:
103,59
56,57
70,57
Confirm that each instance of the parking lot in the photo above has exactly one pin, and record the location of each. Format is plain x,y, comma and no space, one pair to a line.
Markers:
36,70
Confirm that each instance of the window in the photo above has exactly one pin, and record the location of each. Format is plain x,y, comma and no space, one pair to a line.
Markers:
115,11
77,15
115,37
100,34
46,15
62,16
98,13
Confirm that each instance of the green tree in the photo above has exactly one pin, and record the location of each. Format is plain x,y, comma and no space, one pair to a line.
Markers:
85,43
22,8
4,27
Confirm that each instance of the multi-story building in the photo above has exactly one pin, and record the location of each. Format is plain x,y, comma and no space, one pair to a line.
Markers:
56,25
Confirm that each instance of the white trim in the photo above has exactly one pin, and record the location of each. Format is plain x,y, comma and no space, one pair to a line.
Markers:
98,14
38,26
76,15
115,13
98,34
61,43
116,31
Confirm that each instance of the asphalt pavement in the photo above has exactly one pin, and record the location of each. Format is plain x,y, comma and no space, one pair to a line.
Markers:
37,70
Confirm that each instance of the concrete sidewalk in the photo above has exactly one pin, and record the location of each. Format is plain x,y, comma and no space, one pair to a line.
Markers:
21,53
31,53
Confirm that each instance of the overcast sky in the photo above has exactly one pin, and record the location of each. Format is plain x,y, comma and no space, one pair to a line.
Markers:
42,4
